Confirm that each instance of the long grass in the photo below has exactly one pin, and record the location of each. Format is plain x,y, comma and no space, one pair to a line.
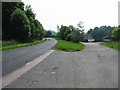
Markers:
68,46
114,45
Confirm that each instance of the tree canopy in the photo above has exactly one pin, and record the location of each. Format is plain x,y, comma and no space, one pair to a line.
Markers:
71,33
99,33
19,23
21,30
7,9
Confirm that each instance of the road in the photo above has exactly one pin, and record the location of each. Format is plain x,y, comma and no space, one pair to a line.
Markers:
14,59
94,67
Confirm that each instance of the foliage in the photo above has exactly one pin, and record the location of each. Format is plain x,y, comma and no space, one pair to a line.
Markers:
19,23
29,12
69,46
38,32
75,36
7,9
116,33
21,26
71,33
99,33
63,32
48,33
69,37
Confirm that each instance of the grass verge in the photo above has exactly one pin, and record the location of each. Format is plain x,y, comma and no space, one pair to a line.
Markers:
13,45
68,46
114,45
9,43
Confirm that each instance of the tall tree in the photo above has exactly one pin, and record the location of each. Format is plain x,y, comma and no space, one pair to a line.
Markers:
37,30
7,9
21,30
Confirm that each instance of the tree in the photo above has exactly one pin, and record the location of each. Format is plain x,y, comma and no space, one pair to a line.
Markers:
71,33
116,33
37,30
29,12
48,34
81,30
69,37
75,36
63,32
80,25
99,33
21,30
7,9
20,24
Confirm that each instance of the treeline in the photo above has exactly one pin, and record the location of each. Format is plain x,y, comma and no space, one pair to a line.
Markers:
50,33
19,23
99,33
71,33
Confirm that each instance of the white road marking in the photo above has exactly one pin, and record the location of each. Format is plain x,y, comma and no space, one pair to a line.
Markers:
17,73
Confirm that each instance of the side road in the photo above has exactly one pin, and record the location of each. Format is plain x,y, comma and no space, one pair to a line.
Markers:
94,67
14,59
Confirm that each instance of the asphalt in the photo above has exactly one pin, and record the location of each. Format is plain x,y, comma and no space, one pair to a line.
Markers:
16,58
94,67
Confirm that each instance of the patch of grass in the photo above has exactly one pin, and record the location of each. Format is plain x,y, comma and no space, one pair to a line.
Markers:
68,46
14,45
115,45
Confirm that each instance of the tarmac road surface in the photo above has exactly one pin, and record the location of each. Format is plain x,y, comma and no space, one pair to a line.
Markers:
94,67
16,58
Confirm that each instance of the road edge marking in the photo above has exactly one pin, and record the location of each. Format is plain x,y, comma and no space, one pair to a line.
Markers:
17,73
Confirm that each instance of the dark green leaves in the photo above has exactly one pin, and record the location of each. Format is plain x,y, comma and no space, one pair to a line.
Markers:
20,24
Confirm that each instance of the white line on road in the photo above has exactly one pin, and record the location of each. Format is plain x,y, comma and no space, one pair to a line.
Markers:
17,73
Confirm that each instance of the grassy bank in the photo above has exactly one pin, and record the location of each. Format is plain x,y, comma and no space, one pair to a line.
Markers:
114,45
9,43
13,44
68,46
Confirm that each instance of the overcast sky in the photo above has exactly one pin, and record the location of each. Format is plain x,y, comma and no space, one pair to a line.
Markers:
69,12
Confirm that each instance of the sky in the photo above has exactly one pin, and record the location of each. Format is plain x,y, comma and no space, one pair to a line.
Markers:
70,12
